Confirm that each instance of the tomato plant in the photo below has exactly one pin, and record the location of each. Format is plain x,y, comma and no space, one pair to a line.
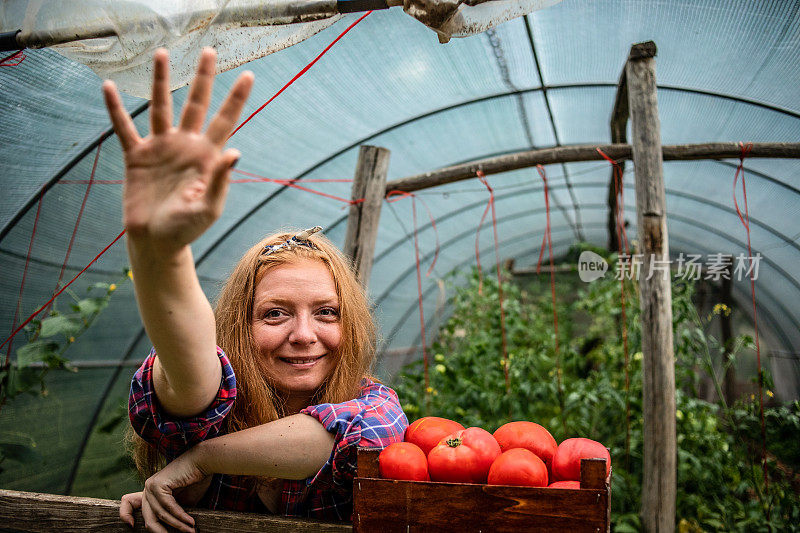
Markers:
528,435
464,456
567,459
518,466
403,460
428,431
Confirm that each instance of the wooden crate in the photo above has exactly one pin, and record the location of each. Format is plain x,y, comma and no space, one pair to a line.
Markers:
387,506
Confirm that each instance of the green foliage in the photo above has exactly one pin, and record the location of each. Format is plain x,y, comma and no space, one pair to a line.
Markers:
580,390
48,339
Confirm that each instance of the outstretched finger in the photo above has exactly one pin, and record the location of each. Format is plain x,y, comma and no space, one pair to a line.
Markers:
150,519
218,186
161,104
228,114
167,510
196,107
129,503
120,119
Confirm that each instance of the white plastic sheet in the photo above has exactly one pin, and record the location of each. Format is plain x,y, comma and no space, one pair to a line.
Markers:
456,18
182,26
240,30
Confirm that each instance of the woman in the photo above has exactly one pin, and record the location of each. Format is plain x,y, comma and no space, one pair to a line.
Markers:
261,404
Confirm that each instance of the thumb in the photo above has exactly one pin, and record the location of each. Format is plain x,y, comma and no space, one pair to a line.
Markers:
218,187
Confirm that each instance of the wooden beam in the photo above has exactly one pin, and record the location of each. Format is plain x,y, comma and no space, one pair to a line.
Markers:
32,511
362,223
655,298
586,152
544,270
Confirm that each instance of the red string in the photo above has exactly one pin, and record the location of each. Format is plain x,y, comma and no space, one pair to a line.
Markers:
622,240
56,295
13,60
547,238
293,184
419,292
80,214
394,196
403,194
503,336
258,179
22,283
489,205
745,150
305,69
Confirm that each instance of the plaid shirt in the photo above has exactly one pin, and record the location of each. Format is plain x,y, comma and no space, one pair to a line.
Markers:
373,420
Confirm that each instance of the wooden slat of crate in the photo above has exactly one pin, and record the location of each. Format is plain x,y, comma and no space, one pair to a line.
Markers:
407,506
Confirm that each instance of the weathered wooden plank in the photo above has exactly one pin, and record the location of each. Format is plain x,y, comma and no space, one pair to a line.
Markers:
31,511
407,506
567,154
369,183
388,505
658,364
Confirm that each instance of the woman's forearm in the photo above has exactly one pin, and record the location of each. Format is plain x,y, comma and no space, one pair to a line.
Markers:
180,323
294,447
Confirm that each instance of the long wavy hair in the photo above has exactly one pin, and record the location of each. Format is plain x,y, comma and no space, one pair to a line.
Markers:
257,400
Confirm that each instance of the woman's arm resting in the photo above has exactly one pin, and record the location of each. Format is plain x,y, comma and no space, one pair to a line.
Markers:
294,447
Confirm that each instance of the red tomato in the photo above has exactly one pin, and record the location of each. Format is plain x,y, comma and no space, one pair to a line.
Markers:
567,459
518,466
464,456
565,485
428,431
527,435
403,460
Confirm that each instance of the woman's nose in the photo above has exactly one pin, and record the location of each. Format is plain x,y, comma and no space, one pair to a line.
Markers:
303,331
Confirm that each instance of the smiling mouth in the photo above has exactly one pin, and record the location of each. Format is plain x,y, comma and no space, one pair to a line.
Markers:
301,362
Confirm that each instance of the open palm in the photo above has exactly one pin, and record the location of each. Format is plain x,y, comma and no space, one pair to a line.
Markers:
176,178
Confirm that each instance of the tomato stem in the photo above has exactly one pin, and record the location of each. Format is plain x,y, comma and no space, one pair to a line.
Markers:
455,442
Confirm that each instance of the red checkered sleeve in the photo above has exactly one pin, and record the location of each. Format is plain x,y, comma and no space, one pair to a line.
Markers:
171,435
373,420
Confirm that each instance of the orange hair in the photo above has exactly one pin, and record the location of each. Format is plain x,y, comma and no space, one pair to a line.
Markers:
257,401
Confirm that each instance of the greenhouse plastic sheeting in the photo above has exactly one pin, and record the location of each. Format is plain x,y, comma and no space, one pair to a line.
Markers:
235,28
726,71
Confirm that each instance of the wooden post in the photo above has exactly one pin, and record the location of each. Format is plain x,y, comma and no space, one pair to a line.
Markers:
619,125
369,183
658,366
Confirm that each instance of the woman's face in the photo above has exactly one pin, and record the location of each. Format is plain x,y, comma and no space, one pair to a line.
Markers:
297,328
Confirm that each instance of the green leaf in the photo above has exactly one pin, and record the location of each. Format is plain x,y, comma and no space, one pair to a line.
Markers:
88,307
102,286
36,351
60,324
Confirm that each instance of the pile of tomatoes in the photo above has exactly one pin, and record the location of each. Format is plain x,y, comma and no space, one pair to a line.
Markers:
518,453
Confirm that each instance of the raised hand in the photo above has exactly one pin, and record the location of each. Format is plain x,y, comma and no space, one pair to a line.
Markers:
176,178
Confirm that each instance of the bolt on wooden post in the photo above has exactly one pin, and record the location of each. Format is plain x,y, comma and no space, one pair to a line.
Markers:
369,183
658,366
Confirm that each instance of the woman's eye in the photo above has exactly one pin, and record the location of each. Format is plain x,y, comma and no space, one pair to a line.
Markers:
273,313
328,311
